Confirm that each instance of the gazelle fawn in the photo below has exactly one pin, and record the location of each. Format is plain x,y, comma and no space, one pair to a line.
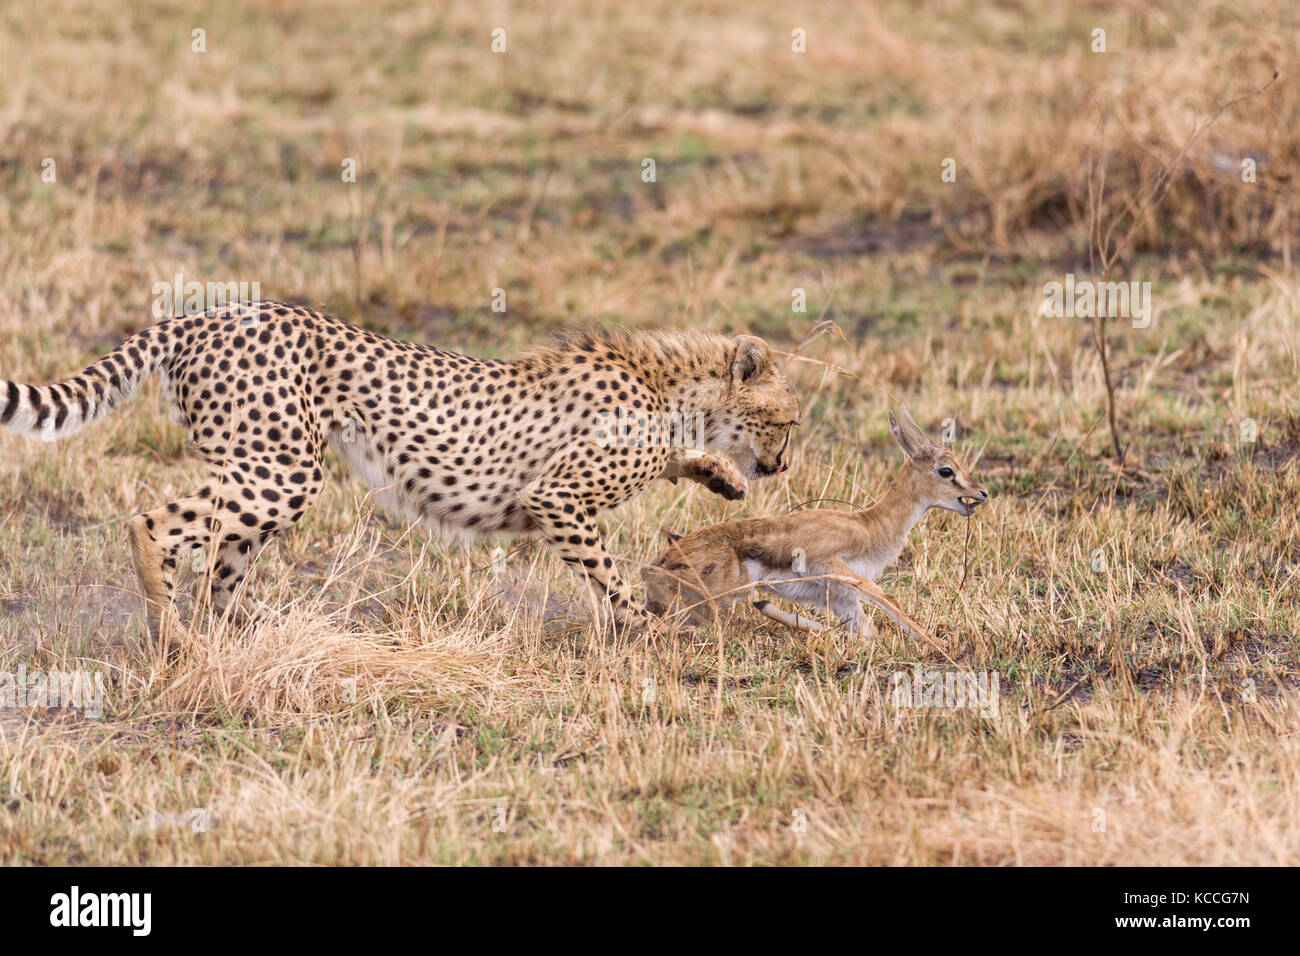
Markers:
817,558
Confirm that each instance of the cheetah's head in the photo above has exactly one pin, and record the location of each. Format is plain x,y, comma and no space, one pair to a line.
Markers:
758,411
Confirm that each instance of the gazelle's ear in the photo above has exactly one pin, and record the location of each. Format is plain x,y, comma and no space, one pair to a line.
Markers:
897,432
913,431
752,359
909,436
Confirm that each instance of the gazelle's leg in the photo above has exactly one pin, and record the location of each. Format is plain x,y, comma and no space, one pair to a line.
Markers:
796,621
877,596
718,474
846,603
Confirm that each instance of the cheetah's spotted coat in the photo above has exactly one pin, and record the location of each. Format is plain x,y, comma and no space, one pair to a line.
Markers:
471,446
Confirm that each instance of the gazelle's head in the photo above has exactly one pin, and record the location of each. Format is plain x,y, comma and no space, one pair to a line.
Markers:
939,479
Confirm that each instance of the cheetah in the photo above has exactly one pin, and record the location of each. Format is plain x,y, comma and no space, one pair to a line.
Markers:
468,447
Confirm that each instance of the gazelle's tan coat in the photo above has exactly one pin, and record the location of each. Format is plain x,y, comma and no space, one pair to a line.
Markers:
817,558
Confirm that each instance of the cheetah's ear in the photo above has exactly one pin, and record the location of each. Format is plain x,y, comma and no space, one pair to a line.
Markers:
753,358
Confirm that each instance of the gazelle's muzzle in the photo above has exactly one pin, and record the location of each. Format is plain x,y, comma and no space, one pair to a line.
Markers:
971,500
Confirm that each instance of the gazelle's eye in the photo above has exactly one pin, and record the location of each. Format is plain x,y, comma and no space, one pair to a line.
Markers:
945,472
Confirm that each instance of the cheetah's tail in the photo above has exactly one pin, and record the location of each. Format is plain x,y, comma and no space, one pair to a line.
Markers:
64,408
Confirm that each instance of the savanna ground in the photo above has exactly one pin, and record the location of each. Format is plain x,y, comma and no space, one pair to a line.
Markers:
411,705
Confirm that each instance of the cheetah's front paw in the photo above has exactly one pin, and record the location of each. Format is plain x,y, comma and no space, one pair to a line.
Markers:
720,476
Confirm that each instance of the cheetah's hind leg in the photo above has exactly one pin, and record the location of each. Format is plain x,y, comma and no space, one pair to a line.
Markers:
190,530
156,537
227,584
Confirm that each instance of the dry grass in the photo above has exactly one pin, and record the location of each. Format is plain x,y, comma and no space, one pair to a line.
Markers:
409,705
